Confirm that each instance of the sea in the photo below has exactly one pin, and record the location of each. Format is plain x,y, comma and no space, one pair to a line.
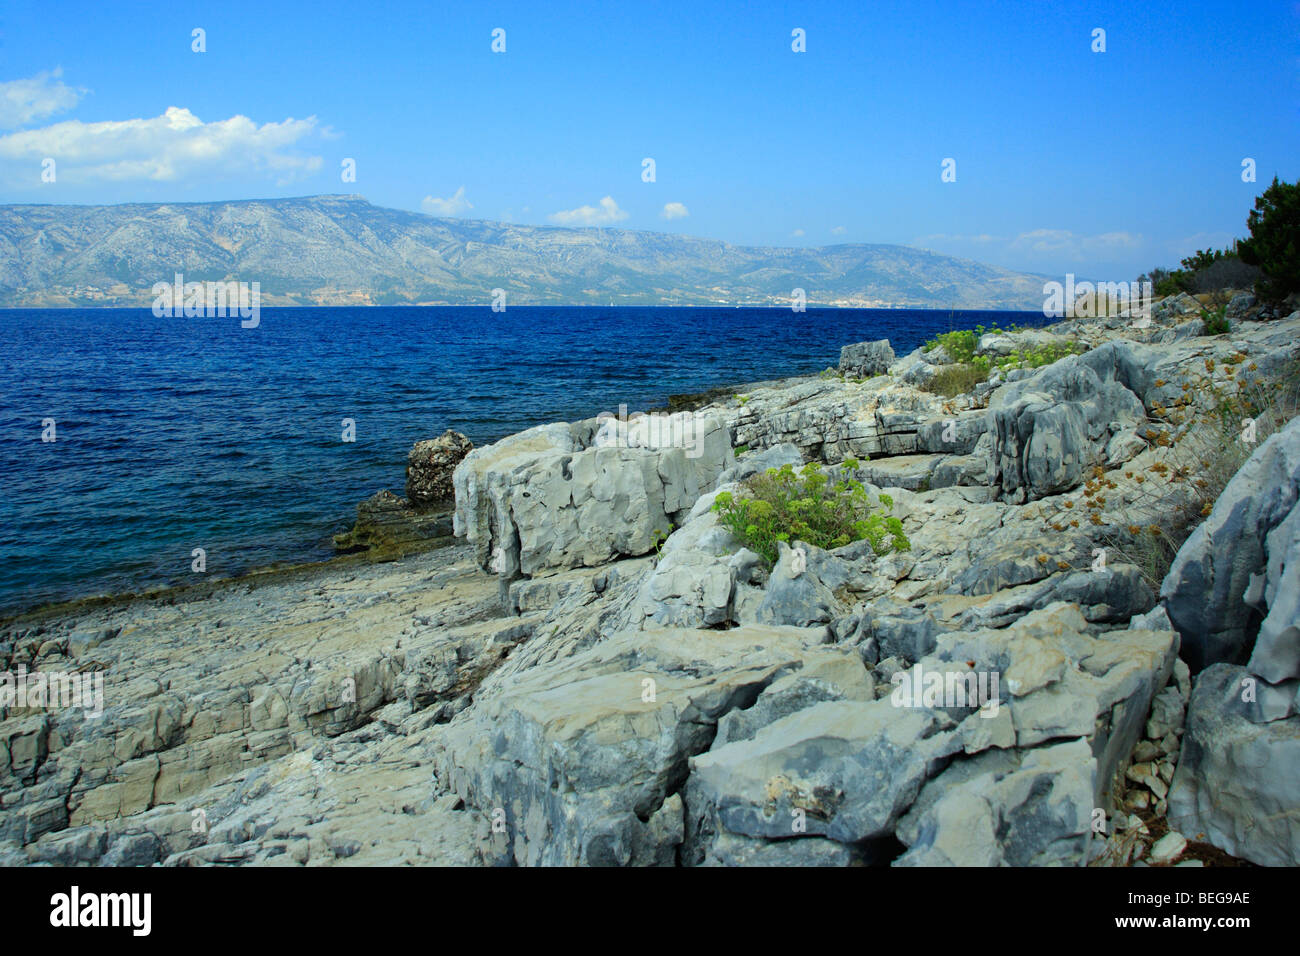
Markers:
128,440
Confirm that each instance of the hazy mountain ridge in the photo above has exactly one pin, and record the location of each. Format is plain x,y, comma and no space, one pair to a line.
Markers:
341,250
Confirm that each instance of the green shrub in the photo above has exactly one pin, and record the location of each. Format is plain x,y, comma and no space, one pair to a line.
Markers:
659,538
1216,322
807,505
969,369
1172,284
962,343
959,379
1039,356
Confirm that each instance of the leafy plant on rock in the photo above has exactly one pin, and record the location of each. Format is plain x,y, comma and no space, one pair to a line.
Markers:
807,505
1216,322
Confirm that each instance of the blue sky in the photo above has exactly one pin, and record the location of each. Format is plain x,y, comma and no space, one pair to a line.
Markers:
1067,160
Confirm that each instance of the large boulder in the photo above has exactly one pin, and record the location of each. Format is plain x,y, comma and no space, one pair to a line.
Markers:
693,583
1044,715
565,496
830,421
1050,428
952,434
1239,305
429,468
758,462
801,589
1232,592
1174,307
917,368
1109,595
1004,809
1062,681
843,770
1002,344
1235,566
581,759
866,359
1238,780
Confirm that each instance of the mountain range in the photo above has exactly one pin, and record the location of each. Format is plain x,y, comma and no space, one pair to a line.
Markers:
342,250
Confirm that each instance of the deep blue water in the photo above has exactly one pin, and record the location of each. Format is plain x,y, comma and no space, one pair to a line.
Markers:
174,434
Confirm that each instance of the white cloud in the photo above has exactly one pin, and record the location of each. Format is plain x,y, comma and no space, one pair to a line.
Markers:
453,206
590,215
675,210
1114,240
797,233
1078,246
947,237
39,96
174,146
838,231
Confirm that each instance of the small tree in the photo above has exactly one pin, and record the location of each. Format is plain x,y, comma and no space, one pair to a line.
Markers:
1274,243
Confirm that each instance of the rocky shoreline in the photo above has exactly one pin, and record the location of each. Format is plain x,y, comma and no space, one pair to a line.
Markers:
595,672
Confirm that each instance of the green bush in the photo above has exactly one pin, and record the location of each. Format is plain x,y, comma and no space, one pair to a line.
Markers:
959,379
808,506
1173,283
959,344
962,343
1039,356
1216,322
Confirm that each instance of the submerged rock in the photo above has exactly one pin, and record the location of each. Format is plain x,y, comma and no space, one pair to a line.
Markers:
388,526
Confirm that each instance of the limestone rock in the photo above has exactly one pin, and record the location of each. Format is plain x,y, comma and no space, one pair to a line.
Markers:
1053,426
1237,780
1174,306
579,753
563,496
693,583
1249,536
866,359
1035,814
845,770
1239,305
429,467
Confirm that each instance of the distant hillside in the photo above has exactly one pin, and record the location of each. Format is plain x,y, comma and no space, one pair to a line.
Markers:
341,250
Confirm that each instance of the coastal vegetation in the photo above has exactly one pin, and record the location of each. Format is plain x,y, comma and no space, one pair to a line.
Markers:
1216,320
1268,261
782,504
1207,433
967,366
